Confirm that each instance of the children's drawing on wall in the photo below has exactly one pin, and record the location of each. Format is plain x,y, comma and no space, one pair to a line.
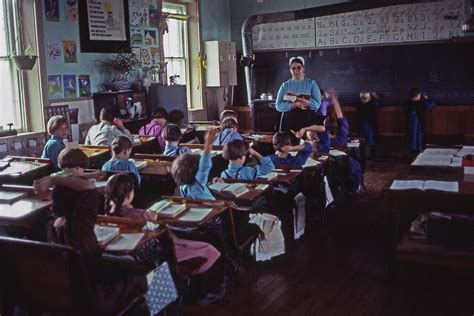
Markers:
135,16
70,86
150,37
153,17
145,56
70,54
136,36
51,8
70,10
84,85
144,17
53,51
155,55
108,22
55,87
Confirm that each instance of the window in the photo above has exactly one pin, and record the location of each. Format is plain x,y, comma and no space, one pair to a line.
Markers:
10,105
181,48
175,43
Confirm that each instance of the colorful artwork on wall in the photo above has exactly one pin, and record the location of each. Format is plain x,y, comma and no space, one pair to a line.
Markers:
53,51
51,9
55,90
70,86
84,85
70,53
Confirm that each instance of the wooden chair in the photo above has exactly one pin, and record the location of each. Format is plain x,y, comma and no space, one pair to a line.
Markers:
48,277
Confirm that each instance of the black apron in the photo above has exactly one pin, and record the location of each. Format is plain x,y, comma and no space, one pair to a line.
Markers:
295,120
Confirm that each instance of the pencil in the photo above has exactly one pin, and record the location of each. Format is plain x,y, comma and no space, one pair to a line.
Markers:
293,131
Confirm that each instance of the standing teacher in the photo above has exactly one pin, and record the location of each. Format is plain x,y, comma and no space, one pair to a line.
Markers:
298,99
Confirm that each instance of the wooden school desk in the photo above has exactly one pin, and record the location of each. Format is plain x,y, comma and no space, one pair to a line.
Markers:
23,170
155,157
144,144
405,205
218,207
247,198
263,141
98,155
443,171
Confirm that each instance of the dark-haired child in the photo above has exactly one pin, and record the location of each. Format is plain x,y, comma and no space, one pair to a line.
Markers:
229,131
414,111
172,135
121,150
103,134
119,194
176,117
58,129
73,161
282,145
156,125
236,151
369,103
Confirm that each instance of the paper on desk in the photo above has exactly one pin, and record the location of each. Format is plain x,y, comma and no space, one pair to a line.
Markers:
195,214
456,162
125,242
17,167
440,151
310,162
447,186
469,170
442,160
407,184
335,153
465,150
353,145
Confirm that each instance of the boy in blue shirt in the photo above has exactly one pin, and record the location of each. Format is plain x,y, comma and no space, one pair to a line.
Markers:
235,151
282,145
171,135
229,128
121,150
58,128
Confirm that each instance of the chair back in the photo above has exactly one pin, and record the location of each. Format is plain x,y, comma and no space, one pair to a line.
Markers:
43,276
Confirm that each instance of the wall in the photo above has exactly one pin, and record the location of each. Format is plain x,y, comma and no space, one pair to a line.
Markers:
215,20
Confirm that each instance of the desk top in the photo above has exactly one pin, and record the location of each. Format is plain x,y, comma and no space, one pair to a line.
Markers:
22,208
284,177
21,166
247,197
94,151
157,168
466,188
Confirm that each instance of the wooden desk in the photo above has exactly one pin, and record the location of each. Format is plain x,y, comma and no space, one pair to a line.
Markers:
144,144
246,198
155,157
405,205
23,170
453,172
218,208
97,155
282,178
156,168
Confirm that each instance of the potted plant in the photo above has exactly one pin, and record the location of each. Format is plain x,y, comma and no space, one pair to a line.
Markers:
24,61
120,66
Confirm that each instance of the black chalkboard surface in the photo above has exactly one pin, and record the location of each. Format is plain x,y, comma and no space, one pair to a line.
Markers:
444,71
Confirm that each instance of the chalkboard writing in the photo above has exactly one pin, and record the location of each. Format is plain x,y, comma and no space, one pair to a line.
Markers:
284,35
419,22
395,24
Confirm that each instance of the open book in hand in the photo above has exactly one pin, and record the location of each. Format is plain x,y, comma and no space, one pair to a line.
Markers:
292,96
167,208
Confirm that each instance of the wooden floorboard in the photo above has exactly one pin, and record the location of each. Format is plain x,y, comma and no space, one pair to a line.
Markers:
343,267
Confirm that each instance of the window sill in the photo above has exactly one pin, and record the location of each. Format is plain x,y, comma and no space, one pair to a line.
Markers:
22,135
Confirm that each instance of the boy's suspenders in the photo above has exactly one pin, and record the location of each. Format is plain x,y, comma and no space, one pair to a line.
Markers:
177,153
149,130
236,174
222,139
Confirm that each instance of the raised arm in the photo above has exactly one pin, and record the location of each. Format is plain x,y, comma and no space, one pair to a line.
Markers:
205,163
336,104
42,185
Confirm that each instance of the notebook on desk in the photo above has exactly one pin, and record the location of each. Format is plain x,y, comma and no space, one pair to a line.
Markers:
11,197
105,234
168,208
446,186
232,190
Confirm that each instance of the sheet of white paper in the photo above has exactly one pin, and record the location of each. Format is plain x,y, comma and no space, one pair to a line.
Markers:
447,186
407,184
195,214
465,150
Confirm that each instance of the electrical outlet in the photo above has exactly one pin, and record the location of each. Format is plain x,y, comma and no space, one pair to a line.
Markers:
32,143
3,148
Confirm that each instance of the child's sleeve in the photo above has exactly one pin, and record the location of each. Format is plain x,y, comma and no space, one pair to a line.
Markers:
205,165
303,154
344,126
134,170
266,166
281,105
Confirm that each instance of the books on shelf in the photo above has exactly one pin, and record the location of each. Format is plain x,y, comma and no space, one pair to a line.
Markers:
195,214
105,234
10,196
269,176
167,208
446,186
229,189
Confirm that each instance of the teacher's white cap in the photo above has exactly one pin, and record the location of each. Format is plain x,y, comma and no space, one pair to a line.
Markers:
297,59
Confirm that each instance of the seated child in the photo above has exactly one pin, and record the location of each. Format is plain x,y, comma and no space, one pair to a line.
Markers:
58,129
176,117
282,145
103,134
228,113
229,128
119,194
191,174
73,161
172,134
155,127
121,150
235,151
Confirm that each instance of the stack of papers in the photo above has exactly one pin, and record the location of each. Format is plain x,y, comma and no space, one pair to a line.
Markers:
446,186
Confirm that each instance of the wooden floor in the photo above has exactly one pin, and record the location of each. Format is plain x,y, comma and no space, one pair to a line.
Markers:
343,267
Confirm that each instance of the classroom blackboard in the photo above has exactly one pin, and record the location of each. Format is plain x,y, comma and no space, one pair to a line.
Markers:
444,71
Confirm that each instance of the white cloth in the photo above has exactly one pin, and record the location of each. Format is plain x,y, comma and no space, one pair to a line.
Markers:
270,243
